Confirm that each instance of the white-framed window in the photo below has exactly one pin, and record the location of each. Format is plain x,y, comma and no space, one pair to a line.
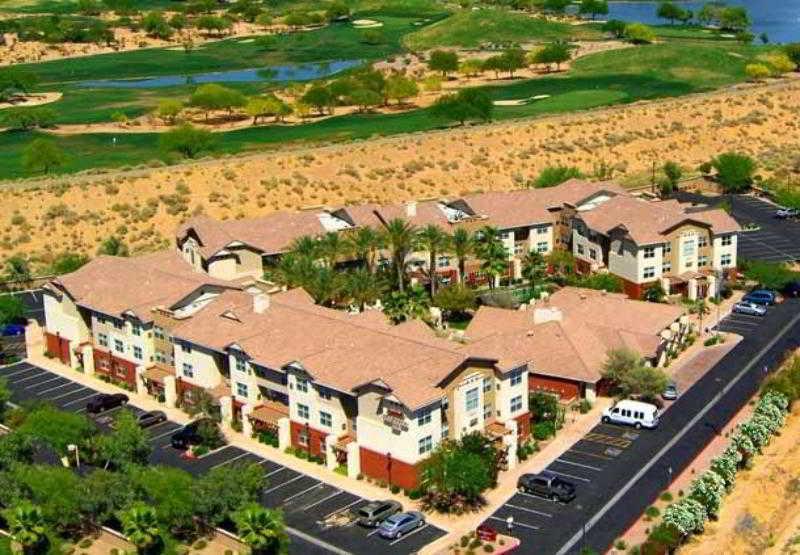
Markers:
666,267
158,332
302,410
241,389
516,378
702,241
188,370
649,252
472,398
445,404
487,384
119,346
580,248
516,403
518,249
690,264
302,437
541,230
487,412
425,445
137,352
302,385
136,329
689,247
727,241
324,394
186,348
649,271
702,261
325,419
445,430
726,260
240,365
541,246
593,254
424,418
119,324
667,248
102,339
443,262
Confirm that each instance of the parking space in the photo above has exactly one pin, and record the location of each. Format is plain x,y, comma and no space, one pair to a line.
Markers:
307,502
741,324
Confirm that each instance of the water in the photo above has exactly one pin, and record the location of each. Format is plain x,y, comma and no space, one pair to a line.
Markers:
779,19
298,72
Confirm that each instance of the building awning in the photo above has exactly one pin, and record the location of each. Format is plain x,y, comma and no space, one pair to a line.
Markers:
343,441
220,391
157,373
269,413
496,430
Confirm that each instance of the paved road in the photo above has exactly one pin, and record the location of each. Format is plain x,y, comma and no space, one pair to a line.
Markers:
304,499
619,471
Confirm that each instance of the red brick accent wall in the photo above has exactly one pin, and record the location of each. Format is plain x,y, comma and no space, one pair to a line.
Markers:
57,347
115,368
392,471
316,439
582,266
634,290
567,389
523,425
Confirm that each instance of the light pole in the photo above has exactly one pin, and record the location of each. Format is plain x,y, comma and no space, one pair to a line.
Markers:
72,448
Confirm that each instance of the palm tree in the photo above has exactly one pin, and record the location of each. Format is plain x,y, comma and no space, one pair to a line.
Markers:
462,244
27,526
534,268
292,270
493,254
18,269
332,247
305,245
140,526
401,238
364,244
434,240
262,530
324,285
362,287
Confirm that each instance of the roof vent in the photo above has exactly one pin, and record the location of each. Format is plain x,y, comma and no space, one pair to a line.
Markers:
547,314
411,208
260,303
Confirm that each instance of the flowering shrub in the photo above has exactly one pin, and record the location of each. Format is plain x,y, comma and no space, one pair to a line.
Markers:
776,399
708,490
758,433
743,444
726,465
687,516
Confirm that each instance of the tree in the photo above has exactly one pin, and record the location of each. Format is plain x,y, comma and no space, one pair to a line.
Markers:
410,304
221,490
512,60
673,172
155,25
780,62
17,268
615,27
362,287
27,526
455,300
443,61
670,11
42,155
593,8
212,97
56,428
213,24
364,244
337,10
319,96
14,80
618,363
793,52
169,109
556,6
734,18
686,516
365,99
471,67
140,526
263,530
492,253
258,107
757,72
644,382
553,53
171,490
28,118
467,104
56,490
745,37
534,268
770,275
462,245
68,262
187,140
127,444
105,493
12,310
400,237
399,87
113,246
178,22
735,171
433,240
655,293
556,175
638,33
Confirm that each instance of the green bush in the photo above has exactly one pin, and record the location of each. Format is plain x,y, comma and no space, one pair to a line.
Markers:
652,511
394,489
666,496
544,430
488,548
415,494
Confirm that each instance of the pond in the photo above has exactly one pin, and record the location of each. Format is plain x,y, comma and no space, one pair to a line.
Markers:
779,19
294,72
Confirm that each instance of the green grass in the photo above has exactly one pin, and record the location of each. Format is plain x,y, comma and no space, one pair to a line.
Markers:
69,6
472,28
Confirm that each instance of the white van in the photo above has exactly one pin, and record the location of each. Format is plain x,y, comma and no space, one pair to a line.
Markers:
633,413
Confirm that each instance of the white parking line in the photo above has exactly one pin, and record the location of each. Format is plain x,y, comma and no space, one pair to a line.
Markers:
414,531
12,374
80,388
284,483
331,496
522,524
359,500
28,378
275,471
44,382
298,494
587,480
92,394
165,434
49,389
375,531
231,460
533,511
565,461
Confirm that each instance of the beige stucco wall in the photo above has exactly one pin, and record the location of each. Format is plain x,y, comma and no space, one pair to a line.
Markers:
207,372
505,392
719,250
103,325
62,318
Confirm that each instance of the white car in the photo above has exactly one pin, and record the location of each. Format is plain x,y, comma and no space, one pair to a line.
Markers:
752,309
633,413
785,213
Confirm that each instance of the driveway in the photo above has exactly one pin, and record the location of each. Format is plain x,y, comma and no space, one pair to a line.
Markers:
304,499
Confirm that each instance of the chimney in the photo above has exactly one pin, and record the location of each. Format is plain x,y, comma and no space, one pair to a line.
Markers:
411,209
546,314
260,303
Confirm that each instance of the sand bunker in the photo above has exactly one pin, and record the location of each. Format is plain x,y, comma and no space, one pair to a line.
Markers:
32,100
366,23
520,101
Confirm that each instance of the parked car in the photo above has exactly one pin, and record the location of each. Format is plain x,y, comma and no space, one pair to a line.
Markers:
760,296
401,523
375,512
786,213
151,418
11,330
670,392
547,484
190,434
750,308
633,413
106,401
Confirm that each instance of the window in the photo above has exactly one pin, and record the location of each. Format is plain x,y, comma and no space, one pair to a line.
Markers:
302,410
443,262
541,230
137,352
516,379
158,331
445,430
241,389
424,418
702,241
119,346
580,248
302,385
689,247
690,263
666,267
240,366
649,271
702,261
136,329
325,419
487,385
541,246
188,370
593,254
649,252
324,394
445,404
119,324
667,248
472,399
518,249
102,339
516,403
302,438
725,260
186,348
425,445
487,412
727,241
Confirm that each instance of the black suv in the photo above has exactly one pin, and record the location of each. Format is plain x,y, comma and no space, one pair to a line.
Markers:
106,401
546,484
190,434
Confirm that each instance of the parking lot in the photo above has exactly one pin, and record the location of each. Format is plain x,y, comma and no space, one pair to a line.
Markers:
583,464
741,324
306,501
